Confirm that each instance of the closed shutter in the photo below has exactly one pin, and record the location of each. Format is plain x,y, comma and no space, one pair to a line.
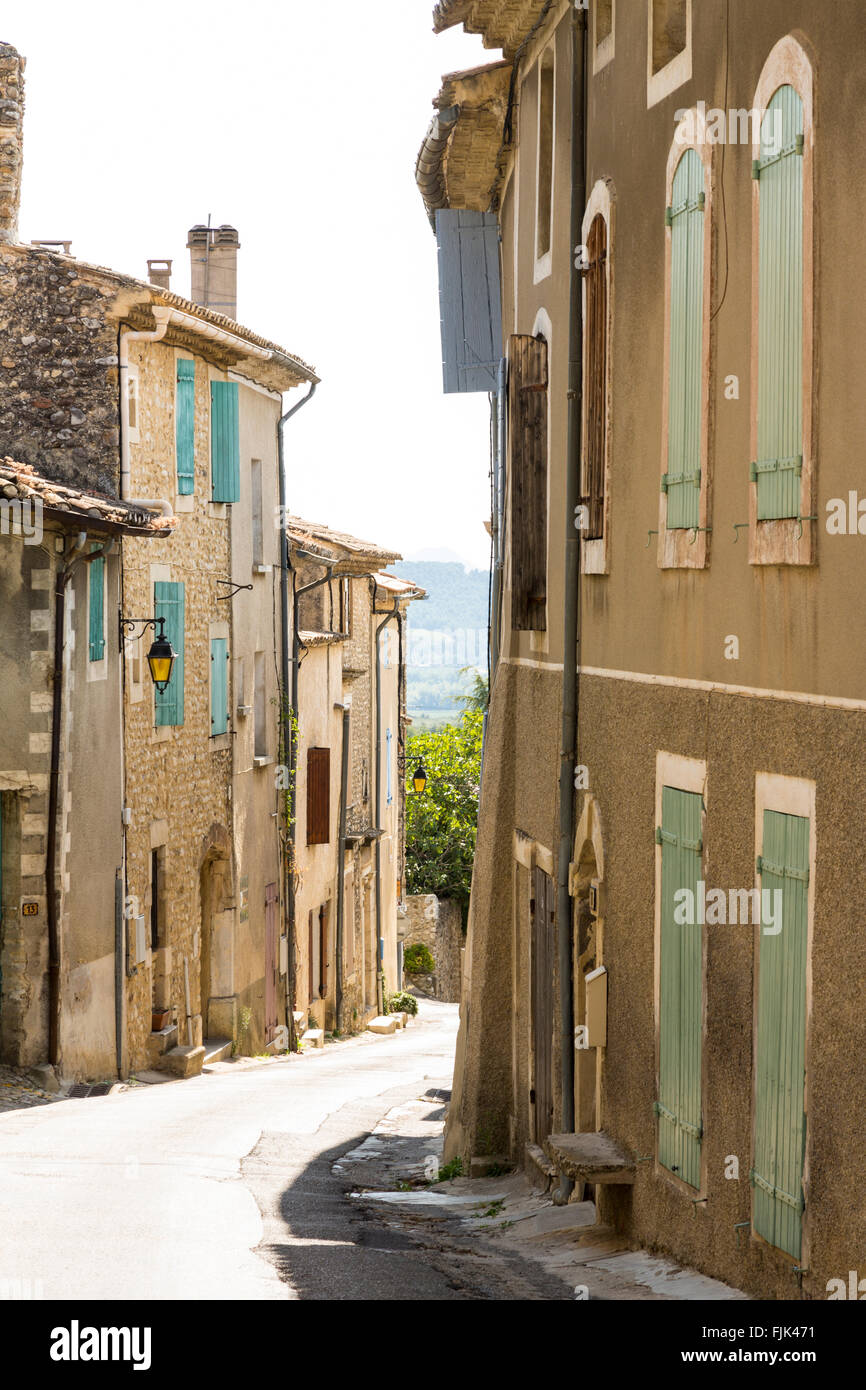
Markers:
527,398
318,796
469,299
185,426
323,952
778,468
219,703
170,604
225,441
682,482
780,1121
681,990
595,390
96,609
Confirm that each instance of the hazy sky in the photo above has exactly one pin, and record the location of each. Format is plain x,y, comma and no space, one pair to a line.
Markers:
298,121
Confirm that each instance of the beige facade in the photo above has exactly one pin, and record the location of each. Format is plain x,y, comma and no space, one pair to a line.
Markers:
717,662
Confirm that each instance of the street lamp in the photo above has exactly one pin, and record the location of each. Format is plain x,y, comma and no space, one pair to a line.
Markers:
419,778
161,657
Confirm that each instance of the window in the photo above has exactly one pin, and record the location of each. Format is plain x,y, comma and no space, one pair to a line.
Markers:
185,426
96,608
240,684
257,512
595,407
345,607
318,796
260,711
780,1059
388,774
684,497
225,441
604,19
680,1004
170,604
544,186
157,898
318,953
527,434
132,399
669,47
219,701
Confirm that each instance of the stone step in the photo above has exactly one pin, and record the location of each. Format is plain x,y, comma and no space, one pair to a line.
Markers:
216,1050
183,1061
382,1023
589,1158
160,1043
540,1168
314,1037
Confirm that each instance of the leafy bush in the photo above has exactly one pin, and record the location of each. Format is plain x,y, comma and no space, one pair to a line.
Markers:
402,1003
441,822
417,960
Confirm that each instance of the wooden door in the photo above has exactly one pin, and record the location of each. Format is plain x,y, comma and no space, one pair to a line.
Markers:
270,962
542,952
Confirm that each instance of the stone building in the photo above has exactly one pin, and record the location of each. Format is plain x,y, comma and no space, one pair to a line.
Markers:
349,776
637,265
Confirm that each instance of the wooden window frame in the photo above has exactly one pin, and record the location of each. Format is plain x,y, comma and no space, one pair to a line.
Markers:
545,156
787,540
318,815
679,548
528,612
595,552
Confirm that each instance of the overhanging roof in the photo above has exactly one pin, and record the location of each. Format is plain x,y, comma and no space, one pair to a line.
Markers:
334,547
69,507
458,165
501,23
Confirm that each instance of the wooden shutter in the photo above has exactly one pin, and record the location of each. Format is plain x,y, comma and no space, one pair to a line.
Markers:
318,796
527,397
681,990
96,609
595,389
225,441
780,1121
185,426
682,482
469,299
542,959
219,703
323,952
170,604
778,468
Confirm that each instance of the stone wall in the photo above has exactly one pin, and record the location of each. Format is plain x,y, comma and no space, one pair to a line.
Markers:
436,923
11,123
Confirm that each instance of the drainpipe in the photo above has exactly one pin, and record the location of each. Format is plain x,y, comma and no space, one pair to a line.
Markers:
341,863
127,336
286,711
55,953
394,612
571,637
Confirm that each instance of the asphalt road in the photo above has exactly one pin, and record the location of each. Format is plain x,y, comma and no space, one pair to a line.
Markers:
223,1187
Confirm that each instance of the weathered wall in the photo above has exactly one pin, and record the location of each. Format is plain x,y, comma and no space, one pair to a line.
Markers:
436,923
11,130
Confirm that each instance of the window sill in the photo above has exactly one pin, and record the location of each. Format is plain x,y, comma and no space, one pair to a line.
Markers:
218,510
184,502
262,762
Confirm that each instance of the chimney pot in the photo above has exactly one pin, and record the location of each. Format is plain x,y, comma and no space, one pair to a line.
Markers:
214,268
159,273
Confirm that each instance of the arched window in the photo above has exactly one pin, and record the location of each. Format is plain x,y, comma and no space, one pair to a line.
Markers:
597,234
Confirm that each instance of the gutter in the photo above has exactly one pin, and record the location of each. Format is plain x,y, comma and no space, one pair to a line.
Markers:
571,635
429,173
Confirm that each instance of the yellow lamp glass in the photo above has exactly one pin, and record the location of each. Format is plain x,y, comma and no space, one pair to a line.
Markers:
419,780
161,659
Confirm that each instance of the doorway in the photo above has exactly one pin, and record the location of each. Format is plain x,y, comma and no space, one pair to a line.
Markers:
542,946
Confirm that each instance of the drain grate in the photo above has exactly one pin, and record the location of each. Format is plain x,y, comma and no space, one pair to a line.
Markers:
80,1091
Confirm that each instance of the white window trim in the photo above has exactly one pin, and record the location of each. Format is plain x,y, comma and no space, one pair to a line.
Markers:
603,53
679,70
217,631
133,392
595,554
543,265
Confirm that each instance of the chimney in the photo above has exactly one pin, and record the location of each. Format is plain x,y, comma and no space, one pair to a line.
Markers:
11,138
159,273
214,264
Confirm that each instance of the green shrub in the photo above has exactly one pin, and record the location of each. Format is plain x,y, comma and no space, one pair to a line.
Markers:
417,960
402,1003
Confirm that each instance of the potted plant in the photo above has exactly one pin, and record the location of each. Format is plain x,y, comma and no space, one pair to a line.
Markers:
159,1019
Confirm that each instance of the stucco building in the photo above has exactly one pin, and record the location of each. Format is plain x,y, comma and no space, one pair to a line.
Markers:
645,258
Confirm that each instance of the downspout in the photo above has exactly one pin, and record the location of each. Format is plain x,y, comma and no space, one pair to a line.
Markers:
127,336
394,611
341,864
571,636
55,953
286,710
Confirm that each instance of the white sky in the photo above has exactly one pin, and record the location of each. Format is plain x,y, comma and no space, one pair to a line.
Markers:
298,121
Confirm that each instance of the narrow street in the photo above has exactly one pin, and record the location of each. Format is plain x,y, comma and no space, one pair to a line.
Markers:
224,1186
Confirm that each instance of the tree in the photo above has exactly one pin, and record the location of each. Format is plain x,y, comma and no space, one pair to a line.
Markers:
478,697
441,821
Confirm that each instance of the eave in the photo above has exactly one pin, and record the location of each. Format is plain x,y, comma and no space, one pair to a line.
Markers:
459,164
501,23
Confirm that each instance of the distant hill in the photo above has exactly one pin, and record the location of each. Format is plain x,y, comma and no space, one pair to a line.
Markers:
456,597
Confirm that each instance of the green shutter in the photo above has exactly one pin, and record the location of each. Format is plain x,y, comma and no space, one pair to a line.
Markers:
225,441
185,426
780,1121
96,606
779,465
681,991
682,482
170,603
219,702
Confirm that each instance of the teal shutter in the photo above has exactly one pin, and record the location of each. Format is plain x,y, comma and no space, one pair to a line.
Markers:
219,702
681,991
225,441
96,609
682,482
170,604
779,465
780,1121
185,426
